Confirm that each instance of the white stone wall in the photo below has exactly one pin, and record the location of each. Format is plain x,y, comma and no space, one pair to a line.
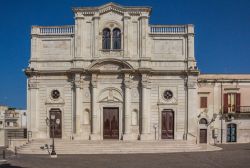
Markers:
152,59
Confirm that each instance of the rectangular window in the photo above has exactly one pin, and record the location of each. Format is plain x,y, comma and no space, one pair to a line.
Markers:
203,102
232,102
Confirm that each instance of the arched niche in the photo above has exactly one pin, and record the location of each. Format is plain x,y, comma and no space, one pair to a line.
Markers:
134,117
86,116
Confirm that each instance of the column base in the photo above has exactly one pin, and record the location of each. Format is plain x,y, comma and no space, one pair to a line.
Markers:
127,137
146,137
95,137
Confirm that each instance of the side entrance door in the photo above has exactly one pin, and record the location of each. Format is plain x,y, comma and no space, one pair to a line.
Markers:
203,135
110,123
56,122
167,128
231,133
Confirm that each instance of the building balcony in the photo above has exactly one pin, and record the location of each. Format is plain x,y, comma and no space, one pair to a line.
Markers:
238,112
236,109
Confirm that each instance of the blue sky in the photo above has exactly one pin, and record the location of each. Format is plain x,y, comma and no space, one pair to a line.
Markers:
222,34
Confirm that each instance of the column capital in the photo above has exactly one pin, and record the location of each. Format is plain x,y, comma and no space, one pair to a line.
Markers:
33,85
145,84
145,81
78,84
94,79
127,80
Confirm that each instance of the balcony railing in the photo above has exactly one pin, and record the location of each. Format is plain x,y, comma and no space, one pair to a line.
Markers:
53,30
171,29
237,109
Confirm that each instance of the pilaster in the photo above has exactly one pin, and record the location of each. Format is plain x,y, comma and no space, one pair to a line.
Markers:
126,34
145,85
96,19
33,107
127,104
95,133
192,107
78,104
143,20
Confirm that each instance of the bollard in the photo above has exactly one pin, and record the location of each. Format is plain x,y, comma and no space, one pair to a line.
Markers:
4,154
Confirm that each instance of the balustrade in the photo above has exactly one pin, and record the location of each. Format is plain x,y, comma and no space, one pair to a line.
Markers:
168,29
55,30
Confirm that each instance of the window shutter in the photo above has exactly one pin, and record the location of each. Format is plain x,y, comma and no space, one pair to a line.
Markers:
237,102
203,102
225,103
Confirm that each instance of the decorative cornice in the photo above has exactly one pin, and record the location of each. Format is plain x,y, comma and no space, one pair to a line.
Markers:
29,72
132,10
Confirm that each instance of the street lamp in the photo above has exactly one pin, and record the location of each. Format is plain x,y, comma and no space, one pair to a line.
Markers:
52,123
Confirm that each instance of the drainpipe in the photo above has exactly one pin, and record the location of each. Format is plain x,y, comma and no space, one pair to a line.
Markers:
186,130
221,123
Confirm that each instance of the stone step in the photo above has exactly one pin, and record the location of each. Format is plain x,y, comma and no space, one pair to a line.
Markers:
109,147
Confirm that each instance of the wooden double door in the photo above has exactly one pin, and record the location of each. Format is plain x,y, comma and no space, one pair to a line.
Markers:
56,123
203,135
167,124
110,123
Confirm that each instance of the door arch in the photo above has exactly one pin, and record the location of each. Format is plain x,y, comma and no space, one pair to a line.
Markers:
232,132
167,124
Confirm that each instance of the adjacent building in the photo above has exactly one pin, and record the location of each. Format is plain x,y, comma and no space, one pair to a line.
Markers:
224,108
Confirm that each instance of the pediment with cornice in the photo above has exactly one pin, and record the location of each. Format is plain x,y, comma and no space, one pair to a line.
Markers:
112,7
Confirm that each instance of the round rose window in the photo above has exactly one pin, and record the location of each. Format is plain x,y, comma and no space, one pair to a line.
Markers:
168,94
55,94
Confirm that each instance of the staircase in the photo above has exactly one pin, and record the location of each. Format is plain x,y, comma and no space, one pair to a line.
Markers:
113,147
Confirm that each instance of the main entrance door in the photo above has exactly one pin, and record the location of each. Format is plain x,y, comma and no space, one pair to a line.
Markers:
167,128
110,123
56,122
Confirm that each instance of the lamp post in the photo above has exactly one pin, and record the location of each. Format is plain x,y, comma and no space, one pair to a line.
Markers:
52,123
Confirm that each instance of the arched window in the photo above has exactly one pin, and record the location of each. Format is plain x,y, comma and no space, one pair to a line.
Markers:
203,121
116,38
106,39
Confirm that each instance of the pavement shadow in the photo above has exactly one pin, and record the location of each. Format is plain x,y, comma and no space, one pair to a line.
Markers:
7,165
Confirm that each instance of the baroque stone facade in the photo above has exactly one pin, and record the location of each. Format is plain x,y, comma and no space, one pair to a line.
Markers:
113,75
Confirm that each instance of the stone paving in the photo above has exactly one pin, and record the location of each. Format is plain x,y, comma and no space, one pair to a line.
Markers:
232,156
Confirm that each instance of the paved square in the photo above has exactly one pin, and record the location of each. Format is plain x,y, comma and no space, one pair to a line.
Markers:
232,156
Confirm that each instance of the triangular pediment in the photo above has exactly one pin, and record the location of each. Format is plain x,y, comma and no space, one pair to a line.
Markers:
111,7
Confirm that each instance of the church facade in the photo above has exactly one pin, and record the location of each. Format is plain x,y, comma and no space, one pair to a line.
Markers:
112,75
